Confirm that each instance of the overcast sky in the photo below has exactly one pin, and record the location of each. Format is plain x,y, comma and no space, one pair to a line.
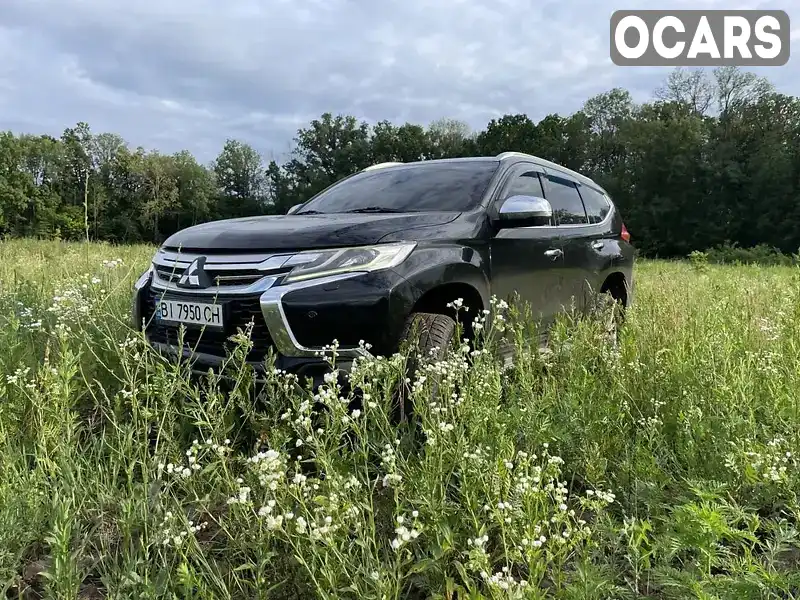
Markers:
173,74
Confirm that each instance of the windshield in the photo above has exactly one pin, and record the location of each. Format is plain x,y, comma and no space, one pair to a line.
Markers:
447,187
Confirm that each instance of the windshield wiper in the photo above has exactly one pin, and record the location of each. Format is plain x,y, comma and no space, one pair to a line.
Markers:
309,212
374,209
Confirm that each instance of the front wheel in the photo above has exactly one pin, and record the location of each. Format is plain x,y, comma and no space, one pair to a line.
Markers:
428,335
610,311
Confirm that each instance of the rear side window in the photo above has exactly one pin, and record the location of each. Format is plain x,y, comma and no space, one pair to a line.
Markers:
597,207
449,186
525,184
566,201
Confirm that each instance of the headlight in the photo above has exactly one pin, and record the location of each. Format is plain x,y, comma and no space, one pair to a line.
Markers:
320,263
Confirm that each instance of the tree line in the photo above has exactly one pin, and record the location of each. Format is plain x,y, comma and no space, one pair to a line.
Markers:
713,158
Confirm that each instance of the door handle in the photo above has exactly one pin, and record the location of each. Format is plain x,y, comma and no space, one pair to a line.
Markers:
598,244
554,253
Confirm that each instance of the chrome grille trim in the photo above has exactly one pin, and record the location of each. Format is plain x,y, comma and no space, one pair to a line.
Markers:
278,325
231,261
232,273
238,277
263,283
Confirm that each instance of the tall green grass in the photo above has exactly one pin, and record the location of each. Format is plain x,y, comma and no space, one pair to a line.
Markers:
664,468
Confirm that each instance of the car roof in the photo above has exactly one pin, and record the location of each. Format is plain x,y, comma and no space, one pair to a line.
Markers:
504,157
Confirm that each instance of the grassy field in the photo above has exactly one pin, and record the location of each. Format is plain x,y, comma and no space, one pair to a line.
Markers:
666,469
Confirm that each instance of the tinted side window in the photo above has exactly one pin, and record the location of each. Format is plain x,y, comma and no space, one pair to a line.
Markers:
566,202
597,206
525,184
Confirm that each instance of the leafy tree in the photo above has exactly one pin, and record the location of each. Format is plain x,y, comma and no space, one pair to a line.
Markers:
15,186
123,224
160,187
196,192
690,87
450,138
282,189
40,157
103,149
565,140
606,115
406,143
78,167
239,173
510,133
734,88
329,148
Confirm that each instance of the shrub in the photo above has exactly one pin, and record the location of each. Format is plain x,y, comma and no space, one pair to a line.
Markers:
762,254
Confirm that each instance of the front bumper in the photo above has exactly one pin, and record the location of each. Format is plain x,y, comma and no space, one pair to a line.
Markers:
296,320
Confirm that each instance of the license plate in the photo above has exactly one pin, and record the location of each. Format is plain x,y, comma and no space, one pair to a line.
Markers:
190,313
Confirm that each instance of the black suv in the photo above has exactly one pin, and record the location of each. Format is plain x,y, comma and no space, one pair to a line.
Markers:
381,251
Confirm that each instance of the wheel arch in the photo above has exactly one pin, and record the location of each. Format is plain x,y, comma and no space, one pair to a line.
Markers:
436,300
616,284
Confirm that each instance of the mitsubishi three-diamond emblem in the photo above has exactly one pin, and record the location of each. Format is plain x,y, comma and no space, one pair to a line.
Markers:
195,275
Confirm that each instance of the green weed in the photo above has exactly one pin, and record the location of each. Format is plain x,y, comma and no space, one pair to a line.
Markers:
662,467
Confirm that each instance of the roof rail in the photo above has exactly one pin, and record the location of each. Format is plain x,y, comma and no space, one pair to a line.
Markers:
382,165
503,155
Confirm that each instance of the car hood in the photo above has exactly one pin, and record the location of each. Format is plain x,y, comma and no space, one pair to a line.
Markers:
301,232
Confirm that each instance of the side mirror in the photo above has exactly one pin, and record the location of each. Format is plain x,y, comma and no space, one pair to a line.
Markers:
525,211
294,209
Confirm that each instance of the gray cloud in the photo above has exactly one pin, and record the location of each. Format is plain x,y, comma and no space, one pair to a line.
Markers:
189,73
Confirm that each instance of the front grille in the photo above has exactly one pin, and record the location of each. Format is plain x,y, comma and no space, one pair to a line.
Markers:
221,279
171,274
238,312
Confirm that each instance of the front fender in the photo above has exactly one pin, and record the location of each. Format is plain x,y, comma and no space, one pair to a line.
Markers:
431,266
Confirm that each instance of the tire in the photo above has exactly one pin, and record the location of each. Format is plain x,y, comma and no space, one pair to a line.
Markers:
429,335
611,311
429,332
